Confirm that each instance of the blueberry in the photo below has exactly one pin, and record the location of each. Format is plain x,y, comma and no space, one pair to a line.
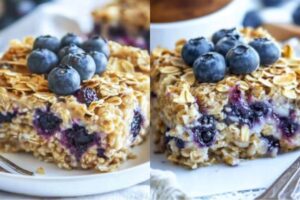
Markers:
227,43
238,113
82,62
47,42
46,123
296,15
271,3
96,43
100,61
204,136
86,95
101,153
207,121
7,117
70,49
179,143
267,50
273,142
63,80
252,19
41,61
136,123
288,127
260,109
70,38
242,59
209,67
217,36
195,48
78,140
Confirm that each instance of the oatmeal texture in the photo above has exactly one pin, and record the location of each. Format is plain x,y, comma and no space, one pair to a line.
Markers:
96,136
198,124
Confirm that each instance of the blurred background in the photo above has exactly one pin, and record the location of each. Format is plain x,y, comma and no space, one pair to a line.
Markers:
12,10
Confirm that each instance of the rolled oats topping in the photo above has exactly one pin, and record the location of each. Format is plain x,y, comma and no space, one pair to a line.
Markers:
242,115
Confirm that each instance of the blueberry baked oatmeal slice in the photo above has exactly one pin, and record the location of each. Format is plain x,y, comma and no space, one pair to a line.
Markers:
124,21
222,101
78,107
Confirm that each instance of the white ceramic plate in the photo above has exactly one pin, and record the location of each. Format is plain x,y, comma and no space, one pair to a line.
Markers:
216,179
62,183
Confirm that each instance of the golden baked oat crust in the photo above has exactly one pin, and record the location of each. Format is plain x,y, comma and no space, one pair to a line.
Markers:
123,92
178,102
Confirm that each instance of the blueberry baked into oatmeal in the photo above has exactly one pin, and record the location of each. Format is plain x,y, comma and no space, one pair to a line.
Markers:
124,21
218,102
78,104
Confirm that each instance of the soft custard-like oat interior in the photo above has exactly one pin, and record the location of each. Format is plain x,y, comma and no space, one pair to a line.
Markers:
96,136
244,116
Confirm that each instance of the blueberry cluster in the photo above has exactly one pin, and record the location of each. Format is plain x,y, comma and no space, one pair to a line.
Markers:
228,52
69,61
205,133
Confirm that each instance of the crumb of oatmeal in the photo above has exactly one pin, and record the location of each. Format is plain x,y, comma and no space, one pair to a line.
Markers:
41,170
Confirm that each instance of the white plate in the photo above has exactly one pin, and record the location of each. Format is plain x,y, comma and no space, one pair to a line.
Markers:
217,179
62,183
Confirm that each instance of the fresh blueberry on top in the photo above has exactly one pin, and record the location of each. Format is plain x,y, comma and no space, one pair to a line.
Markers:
205,137
195,48
267,50
210,67
63,80
242,59
100,61
70,49
41,61
82,62
271,3
70,38
252,19
96,43
7,117
86,95
46,122
136,123
78,140
288,127
47,42
296,15
227,43
217,36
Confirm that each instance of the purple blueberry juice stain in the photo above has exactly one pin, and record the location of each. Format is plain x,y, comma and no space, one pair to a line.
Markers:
245,112
101,153
46,123
288,127
136,123
78,140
